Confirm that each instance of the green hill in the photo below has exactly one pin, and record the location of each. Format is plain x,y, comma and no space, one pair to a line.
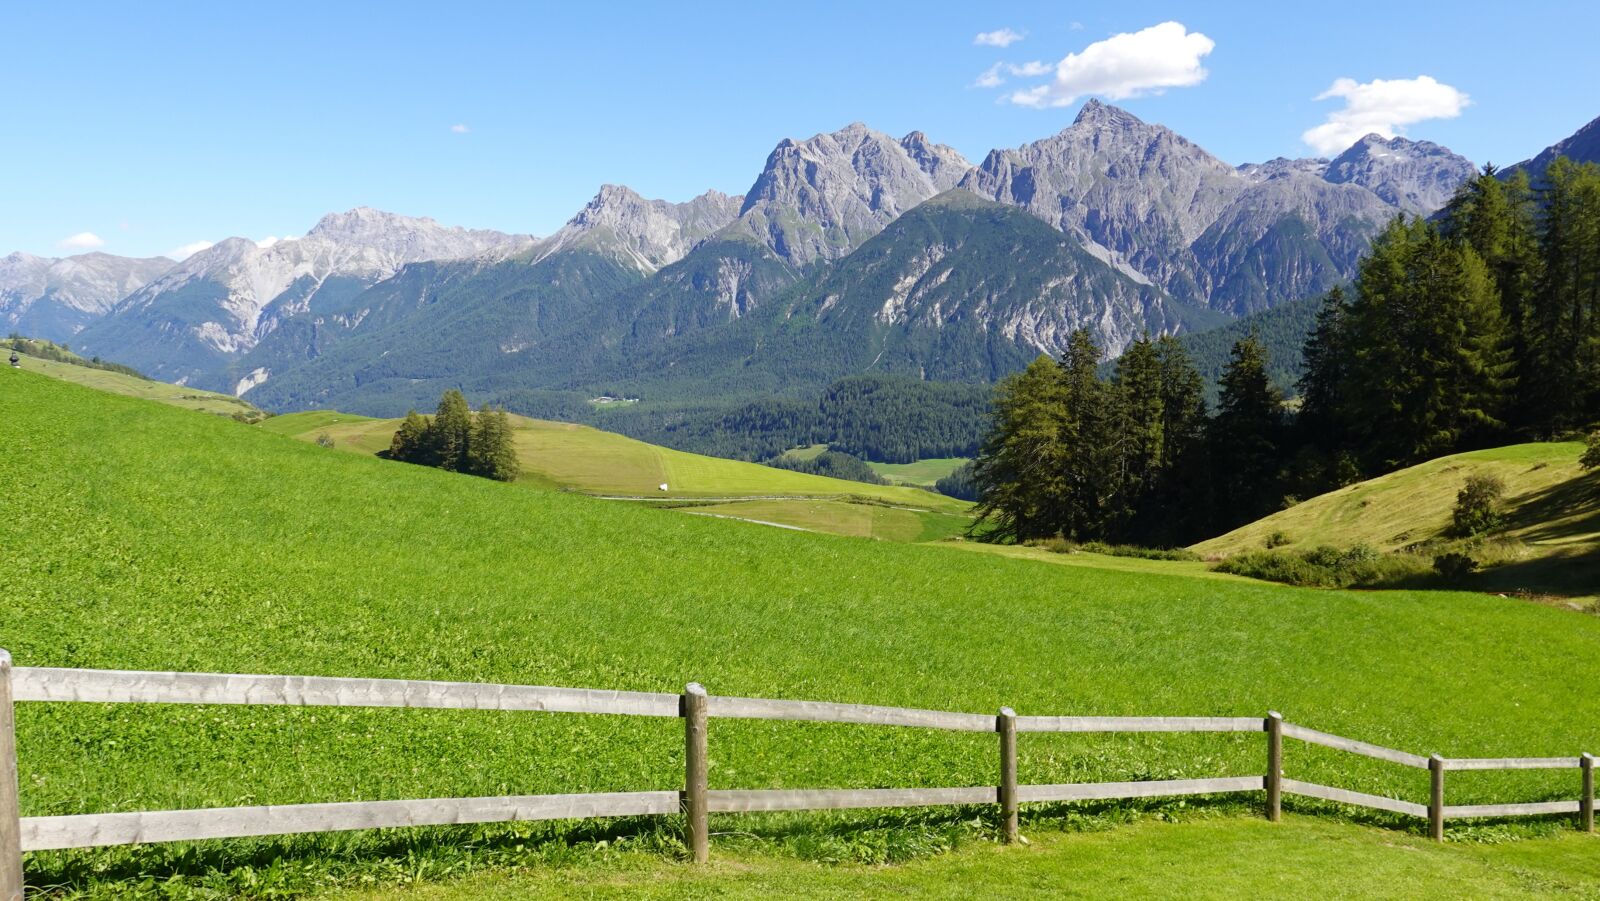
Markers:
1551,540
142,537
51,360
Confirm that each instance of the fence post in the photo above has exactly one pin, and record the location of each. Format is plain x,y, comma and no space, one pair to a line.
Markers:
1436,798
1586,806
694,775
10,806
1006,725
1274,784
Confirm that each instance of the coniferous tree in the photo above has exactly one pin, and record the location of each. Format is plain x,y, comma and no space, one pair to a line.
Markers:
1174,514
1565,331
1141,423
1021,468
410,442
450,435
1429,367
491,452
1246,438
1092,453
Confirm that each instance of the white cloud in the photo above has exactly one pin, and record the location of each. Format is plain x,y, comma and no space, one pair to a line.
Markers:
1383,107
459,129
992,77
82,241
1031,70
1001,37
1126,65
188,250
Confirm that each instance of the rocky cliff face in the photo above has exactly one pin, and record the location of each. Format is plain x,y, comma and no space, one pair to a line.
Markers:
54,299
816,200
1582,146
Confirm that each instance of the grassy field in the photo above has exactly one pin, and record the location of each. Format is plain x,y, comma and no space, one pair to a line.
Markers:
132,386
841,518
921,473
1208,858
142,537
1552,536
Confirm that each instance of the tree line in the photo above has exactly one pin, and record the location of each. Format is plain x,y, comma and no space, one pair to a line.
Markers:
1478,328
457,440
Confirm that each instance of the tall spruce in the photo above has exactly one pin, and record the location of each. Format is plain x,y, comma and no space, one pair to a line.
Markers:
1021,468
1246,438
410,443
451,431
1093,452
1565,330
490,452
1429,365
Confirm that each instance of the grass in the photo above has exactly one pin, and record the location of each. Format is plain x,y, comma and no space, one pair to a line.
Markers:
922,473
142,537
586,459
845,518
1552,539
133,386
1203,858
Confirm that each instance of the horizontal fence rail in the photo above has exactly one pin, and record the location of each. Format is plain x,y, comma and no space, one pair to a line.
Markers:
695,799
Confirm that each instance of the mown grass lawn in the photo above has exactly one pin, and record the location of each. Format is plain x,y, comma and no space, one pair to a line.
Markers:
1221,858
145,537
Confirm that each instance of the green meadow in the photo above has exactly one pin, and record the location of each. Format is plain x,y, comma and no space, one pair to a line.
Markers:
142,536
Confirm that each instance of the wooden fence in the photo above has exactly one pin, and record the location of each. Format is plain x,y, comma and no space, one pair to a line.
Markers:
695,707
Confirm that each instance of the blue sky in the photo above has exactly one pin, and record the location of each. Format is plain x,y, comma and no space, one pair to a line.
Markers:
152,126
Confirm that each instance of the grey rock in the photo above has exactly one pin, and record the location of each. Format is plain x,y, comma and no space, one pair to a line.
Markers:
55,298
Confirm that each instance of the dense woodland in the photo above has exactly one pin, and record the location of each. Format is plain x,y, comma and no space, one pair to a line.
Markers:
1478,328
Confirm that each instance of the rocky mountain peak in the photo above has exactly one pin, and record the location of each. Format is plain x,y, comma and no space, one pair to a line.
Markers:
821,197
649,233
1095,113
1416,176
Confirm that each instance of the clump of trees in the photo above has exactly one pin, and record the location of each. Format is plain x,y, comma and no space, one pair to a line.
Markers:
1477,329
1477,510
457,440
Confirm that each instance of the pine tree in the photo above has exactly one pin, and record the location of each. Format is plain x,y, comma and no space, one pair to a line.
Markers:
1428,365
491,452
1173,515
1021,468
1246,438
1092,455
1327,365
410,442
1140,438
450,436
1565,331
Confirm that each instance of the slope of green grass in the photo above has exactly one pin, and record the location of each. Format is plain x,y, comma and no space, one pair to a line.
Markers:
133,386
922,473
844,518
1215,858
141,537
586,459
1552,533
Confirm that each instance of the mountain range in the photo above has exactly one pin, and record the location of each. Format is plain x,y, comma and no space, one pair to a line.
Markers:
852,251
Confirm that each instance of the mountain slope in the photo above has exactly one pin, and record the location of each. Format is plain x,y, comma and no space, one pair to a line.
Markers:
1581,146
54,299
190,324
1418,177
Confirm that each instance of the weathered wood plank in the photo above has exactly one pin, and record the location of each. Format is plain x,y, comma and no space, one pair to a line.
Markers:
862,714
1540,808
1007,727
99,829
737,801
1358,799
1366,749
1274,766
1511,763
1095,791
134,687
10,804
696,765
1139,724
1436,798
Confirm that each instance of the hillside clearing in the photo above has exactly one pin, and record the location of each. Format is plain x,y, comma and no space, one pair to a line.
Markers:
132,386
